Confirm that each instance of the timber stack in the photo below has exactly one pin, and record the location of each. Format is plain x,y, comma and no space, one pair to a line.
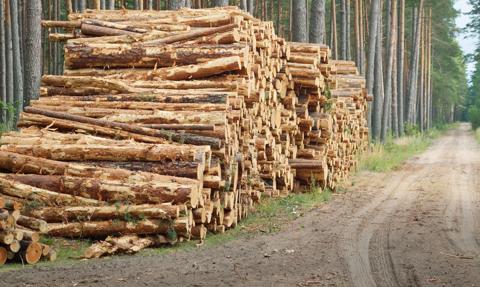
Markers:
20,235
169,124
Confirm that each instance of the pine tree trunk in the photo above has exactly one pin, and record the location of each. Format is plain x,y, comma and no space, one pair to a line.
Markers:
299,25
9,62
243,5
279,25
111,4
412,89
372,39
3,70
422,75
358,43
344,30
251,6
400,67
33,48
333,30
82,5
176,4
348,29
430,107
317,22
392,35
379,81
221,3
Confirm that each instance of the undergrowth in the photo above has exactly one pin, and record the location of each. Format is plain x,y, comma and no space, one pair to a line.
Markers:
388,156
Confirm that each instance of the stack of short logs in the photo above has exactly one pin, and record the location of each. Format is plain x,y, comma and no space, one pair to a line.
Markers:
20,235
167,124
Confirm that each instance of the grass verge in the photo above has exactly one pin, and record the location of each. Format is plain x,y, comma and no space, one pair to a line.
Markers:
388,156
477,134
270,215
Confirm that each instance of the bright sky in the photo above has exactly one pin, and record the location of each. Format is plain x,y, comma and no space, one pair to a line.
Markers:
467,42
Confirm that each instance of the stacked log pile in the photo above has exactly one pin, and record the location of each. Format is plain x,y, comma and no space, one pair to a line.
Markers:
167,124
332,106
20,235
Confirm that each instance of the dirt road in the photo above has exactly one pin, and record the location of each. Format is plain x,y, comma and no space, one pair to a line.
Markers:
418,226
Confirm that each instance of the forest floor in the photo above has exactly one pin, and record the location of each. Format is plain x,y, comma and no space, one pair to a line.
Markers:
418,225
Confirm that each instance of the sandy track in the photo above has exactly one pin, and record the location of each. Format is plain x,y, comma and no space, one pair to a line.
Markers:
417,226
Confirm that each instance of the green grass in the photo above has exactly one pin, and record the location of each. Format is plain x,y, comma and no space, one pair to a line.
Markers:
388,156
269,217
477,134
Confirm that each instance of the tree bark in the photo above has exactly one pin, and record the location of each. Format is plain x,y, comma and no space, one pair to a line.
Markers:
86,213
333,30
379,82
82,5
392,37
176,4
412,88
174,136
400,67
91,191
130,152
349,29
220,3
299,25
243,5
42,196
344,30
111,4
9,66
251,6
3,63
372,39
33,50
93,56
317,22
106,228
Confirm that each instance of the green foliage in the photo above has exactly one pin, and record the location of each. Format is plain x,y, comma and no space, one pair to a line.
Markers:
477,135
382,158
473,101
411,130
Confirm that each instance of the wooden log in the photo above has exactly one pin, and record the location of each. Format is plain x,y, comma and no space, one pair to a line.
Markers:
142,56
115,25
168,117
193,170
123,244
184,137
124,105
199,232
107,228
33,223
31,252
29,235
42,196
94,30
14,246
87,213
92,190
7,237
170,96
130,152
28,120
18,163
192,35
190,72
3,255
